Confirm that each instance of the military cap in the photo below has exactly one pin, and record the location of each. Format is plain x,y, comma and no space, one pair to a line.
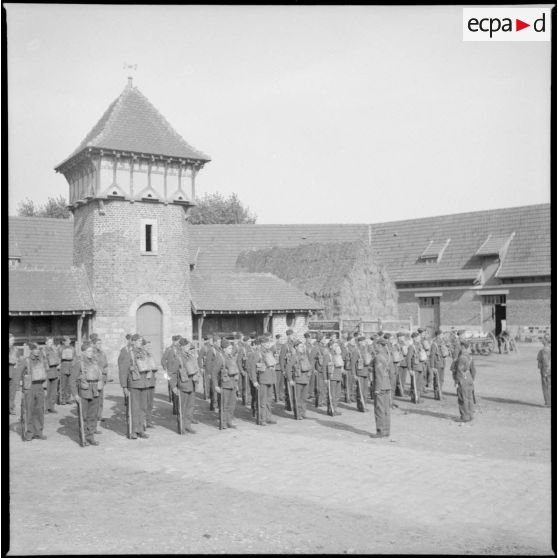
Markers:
135,337
238,335
289,332
464,343
420,330
307,335
382,341
246,338
144,341
278,336
379,333
128,336
216,337
183,341
85,346
387,335
176,337
415,334
361,338
33,346
438,332
225,343
93,337
206,337
319,336
296,342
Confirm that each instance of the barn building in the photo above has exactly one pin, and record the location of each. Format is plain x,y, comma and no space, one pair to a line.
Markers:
129,261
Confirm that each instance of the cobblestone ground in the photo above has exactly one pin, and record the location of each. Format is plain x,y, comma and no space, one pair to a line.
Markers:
322,485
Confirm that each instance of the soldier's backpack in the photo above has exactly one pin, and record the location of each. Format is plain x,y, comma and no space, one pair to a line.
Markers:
269,359
305,365
444,350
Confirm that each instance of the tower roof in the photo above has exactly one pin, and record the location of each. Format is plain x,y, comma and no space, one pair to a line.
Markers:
131,123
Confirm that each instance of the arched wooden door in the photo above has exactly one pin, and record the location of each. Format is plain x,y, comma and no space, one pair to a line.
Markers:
149,322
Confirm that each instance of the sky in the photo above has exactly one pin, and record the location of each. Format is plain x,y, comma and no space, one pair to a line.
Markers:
311,114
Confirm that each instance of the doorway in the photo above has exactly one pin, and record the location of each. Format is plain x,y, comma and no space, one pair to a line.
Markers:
149,324
429,313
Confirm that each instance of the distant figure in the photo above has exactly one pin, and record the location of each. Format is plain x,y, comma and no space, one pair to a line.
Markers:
464,373
543,359
503,341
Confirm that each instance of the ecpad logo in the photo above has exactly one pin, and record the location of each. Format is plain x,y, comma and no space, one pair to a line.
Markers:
506,24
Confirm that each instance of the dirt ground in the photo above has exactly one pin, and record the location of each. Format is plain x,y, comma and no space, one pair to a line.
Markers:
322,485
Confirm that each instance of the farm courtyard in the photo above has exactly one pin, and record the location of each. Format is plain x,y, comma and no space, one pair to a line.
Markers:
322,485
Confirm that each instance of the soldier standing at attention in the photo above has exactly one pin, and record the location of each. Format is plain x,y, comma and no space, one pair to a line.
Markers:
437,363
261,368
415,364
543,360
464,373
318,365
202,353
309,345
360,369
298,371
169,354
286,348
210,358
101,359
33,372
133,379
227,381
382,389
183,371
53,373
335,374
86,384
152,381
402,347
14,374
67,355
276,348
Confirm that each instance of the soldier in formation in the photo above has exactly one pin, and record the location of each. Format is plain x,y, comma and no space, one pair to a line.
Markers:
14,376
464,372
67,356
52,358
543,361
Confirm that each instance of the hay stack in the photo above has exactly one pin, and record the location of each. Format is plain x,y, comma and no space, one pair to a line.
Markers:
345,277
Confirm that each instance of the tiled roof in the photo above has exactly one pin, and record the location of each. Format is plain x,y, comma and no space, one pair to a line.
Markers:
132,123
399,244
42,242
246,292
48,290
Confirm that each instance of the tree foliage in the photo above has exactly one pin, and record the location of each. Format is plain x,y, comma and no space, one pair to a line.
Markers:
216,209
54,208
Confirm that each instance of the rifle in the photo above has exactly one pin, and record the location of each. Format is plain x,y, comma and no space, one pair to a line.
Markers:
80,423
128,415
399,384
360,397
346,378
414,385
329,401
294,400
58,390
244,380
204,380
221,402
23,417
288,401
170,391
258,413
179,423
275,395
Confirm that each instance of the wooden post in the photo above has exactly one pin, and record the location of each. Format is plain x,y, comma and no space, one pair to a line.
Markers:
79,326
200,327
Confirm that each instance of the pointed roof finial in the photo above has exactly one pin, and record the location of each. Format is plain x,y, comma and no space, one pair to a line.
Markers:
131,69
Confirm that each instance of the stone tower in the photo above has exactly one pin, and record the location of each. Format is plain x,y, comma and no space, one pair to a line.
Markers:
132,183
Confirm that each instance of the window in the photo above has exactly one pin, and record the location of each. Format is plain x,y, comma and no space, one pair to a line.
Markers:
148,237
494,299
428,300
290,320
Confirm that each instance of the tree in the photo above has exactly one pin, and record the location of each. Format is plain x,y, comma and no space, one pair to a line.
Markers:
215,209
54,208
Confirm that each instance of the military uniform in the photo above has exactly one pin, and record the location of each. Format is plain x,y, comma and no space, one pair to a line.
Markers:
33,372
261,369
348,380
152,382
437,362
298,370
359,369
101,359
278,371
402,366
211,372
14,377
136,377
87,382
319,372
286,348
334,367
170,354
227,380
464,373
67,356
183,373
53,375
416,365
544,364
382,391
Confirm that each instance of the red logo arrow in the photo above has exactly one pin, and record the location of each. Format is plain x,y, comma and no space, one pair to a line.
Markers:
519,25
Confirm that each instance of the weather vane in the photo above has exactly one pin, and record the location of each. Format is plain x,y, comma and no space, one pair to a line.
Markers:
132,68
